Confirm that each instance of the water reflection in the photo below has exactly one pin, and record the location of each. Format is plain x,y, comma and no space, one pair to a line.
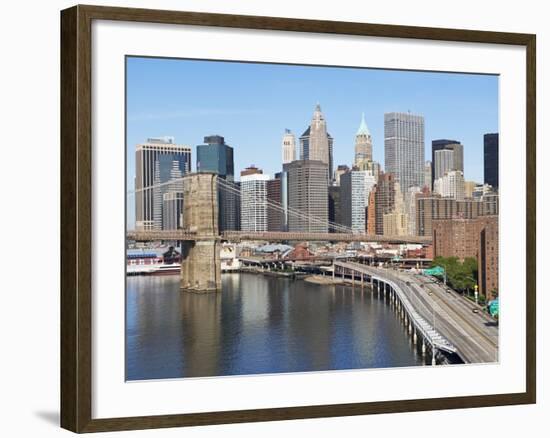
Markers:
258,325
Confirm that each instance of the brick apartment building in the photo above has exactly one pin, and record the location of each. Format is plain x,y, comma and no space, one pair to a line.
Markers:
477,238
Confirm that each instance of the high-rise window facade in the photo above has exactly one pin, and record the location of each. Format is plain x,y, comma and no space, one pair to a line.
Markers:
428,175
355,188
288,147
217,157
451,185
307,196
316,143
458,155
404,148
156,161
334,206
275,207
384,201
254,202
444,162
490,160
340,170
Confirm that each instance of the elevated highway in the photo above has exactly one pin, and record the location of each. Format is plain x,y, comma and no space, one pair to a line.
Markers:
474,335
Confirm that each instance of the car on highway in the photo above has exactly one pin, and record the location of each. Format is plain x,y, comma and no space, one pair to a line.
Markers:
475,310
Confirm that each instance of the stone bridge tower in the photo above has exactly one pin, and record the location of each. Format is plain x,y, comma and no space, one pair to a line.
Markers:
200,264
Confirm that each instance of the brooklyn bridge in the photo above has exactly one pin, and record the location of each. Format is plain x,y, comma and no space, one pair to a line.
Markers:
200,236
273,236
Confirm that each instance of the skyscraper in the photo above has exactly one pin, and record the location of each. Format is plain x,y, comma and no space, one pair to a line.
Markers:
330,158
451,185
154,167
172,201
452,145
395,222
404,148
334,208
288,147
428,175
254,202
229,205
444,162
217,157
371,211
284,198
355,188
172,211
410,206
307,196
363,143
490,160
340,170
316,143
274,196
384,201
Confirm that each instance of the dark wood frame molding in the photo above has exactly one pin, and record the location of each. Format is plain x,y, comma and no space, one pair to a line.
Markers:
76,179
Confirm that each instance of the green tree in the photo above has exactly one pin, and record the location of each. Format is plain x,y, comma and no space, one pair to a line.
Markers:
461,276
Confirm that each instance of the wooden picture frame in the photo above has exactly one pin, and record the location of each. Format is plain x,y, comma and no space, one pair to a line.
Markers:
76,217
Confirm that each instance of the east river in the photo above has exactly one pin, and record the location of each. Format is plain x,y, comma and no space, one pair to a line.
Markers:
258,324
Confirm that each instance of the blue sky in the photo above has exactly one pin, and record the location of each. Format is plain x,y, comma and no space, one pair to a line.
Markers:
252,104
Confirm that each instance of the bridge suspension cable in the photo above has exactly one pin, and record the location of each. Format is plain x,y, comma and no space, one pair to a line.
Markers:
173,181
229,188
291,211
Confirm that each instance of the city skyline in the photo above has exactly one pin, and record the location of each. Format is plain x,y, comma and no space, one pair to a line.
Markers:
154,110
256,132
260,202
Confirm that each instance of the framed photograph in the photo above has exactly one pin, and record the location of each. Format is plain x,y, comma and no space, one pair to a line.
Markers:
270,218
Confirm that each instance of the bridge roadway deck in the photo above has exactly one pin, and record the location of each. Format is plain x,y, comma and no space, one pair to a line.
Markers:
475,335
273,236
